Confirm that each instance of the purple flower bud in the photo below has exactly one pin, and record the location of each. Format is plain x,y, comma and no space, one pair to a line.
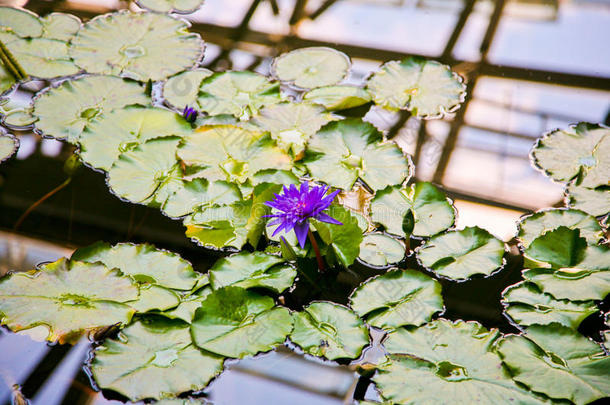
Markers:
189,114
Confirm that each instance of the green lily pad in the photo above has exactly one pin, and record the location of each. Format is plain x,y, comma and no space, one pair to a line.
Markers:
240,94
8,146
559,362
68,297
346,150
155,298
432,210
7,79
257,269
188,305
141,46
148,173
221,226
562,247
230,153
329,330
460,254
143,262
427,88
312,67
292,124
397,298
571,283
581,150
121,130
595,202
337,98
153,359
446,362
378,249
342,241
526,304
21,22
171,6
42,58
235,322
182,89
60,26
537,224
63,112
200,194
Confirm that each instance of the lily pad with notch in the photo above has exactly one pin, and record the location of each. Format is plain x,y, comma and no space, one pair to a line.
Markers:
343,151
235,322
64,111
527,305
559,362
378,249
571,283
460,254
9,144
329,330
397,298
182,89
70,298
427,88
595,202
141,46
312,67
171,6
433,212
153,358
339,97
199,194
447,362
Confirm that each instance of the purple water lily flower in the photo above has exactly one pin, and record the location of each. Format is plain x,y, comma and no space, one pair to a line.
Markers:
297,206
189,114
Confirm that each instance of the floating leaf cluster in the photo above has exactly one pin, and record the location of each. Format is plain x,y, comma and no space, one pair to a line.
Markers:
117,89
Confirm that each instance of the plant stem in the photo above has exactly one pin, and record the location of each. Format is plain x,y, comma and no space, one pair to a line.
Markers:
316,249
40,201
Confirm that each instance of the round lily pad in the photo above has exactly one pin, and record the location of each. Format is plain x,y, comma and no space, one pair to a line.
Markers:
460,254
446,362
182,89
581,150
397,298
561,247
200,194
41,58
141,46
432,210
235,322
571,283
8,146
337,98
256,269
292,124
595,202
537,224
143,262
240,94
230,153
68,297
153,359
171,6
121,130
329,330
378,249
21,22
60,26
64,111
526,304
312,67
149,173
427,88
559,362
343,151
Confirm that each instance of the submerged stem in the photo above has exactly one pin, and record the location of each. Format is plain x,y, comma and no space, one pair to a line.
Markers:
40,201
316,249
